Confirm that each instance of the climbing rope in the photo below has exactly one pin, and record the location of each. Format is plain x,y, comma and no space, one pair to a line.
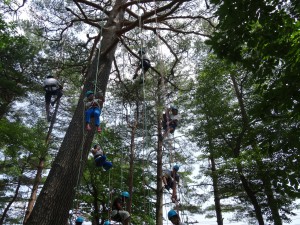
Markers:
83,125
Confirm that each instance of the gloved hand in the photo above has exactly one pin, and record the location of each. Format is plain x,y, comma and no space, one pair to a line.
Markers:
167,187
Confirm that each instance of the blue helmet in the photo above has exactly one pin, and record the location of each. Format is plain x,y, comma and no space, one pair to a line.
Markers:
107,222
172,213
88,93
125,194
176,168
79,219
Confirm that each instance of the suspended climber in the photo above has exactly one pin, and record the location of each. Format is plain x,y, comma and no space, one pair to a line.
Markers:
118,213
174,217
93,107
52,87
100,158
170,178
170,120
144,63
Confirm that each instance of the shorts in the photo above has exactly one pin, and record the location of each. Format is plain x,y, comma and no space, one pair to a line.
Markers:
119,215
49,94
165,127
146,65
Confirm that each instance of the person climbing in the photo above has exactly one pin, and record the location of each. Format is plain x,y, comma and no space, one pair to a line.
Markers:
170,178
118,213
125,196
51,87
79,221
145,63
100,158
174,217
93,107
170,120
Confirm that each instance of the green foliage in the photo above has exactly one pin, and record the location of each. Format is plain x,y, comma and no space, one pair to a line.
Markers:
264,37
21,149
16,56
267,148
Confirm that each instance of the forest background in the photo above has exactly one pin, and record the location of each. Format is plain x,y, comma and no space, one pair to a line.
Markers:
231,68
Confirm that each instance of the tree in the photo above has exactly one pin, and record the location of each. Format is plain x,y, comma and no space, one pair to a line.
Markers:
21,151
16,56
264,37
227,103
119,20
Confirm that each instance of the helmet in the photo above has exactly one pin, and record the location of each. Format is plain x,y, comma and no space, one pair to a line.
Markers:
176,168
50,76
79,219
88,93
125,194
172,213
107,222
96,145
174,107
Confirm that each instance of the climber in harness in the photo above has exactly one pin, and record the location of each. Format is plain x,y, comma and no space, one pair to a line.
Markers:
93,107
118,213
174,217
144,63
170,178
100,158
51,87
170,120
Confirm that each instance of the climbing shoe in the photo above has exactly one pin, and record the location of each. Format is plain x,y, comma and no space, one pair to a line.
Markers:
99,129
88,127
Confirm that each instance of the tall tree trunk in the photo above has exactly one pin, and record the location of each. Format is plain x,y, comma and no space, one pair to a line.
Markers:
237,149
131,166
272,203
159,190
251,195
56,197
96,217
216,191
2,219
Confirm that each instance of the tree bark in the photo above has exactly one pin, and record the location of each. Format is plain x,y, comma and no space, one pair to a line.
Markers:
56,197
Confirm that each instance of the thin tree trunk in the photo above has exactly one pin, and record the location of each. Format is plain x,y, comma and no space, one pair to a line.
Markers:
159,191
56,198
2,219
40,168
96,216
272,203
216,191
131,166
37,181
237,149
251,195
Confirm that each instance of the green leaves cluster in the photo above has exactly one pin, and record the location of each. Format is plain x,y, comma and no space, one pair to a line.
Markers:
16,57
